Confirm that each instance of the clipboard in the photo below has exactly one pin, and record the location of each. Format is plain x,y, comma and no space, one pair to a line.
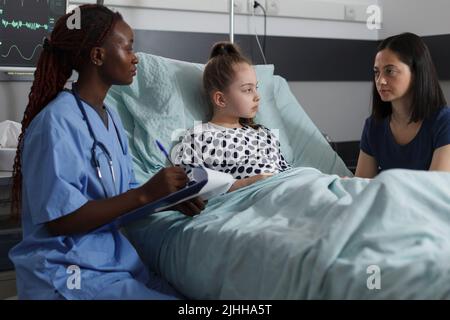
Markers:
204,183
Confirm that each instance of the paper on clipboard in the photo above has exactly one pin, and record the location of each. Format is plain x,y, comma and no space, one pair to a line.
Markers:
205,183
216,183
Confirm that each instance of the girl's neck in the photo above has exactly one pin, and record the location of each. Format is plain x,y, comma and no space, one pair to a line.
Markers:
226,121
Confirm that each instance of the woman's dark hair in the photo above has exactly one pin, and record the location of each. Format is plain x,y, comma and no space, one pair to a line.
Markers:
65,51
427,94
219,71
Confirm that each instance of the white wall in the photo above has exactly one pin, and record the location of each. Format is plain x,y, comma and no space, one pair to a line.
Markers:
423,17
313,18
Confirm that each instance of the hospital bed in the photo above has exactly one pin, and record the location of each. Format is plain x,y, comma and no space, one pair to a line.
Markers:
302,234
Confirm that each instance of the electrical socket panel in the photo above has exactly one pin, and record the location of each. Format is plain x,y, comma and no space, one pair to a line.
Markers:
240,6
273,7
350,13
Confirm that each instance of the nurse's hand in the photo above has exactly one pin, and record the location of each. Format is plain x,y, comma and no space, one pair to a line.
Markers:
165,182
190,207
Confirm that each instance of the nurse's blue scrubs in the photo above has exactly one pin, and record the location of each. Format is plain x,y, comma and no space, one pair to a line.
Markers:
58,178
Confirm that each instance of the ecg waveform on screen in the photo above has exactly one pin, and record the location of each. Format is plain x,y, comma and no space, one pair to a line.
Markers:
21,24
22,1
20,53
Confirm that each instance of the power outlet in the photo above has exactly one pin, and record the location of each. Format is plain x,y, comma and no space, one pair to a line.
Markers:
240,6
350,13
273,7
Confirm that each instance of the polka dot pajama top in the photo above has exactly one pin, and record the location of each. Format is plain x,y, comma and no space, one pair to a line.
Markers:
241,152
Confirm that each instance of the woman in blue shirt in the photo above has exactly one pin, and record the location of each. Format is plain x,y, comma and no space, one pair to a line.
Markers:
410,124
73,172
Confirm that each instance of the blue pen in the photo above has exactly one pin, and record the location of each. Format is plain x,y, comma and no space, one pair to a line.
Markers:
160,146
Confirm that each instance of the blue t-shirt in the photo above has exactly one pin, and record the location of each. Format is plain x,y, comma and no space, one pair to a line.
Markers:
377,141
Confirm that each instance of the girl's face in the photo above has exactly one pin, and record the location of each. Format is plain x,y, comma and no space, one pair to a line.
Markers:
241,99
392,76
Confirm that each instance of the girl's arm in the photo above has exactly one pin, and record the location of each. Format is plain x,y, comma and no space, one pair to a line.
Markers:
367,166
241,183
441,159
96,213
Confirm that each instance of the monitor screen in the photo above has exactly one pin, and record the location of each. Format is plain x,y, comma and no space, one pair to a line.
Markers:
23,26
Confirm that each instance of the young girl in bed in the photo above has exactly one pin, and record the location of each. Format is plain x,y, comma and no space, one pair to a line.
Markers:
231,142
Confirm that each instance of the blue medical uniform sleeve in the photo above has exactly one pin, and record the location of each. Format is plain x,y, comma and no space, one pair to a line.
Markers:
441,135
53,173
365,138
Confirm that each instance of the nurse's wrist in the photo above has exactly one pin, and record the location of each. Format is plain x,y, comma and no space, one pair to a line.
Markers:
141,197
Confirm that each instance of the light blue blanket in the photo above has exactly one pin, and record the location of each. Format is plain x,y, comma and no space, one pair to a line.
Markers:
306,235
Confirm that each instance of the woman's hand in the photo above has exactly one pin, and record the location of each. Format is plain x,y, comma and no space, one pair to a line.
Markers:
248,181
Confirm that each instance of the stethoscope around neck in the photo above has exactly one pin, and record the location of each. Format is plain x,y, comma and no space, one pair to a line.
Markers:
95,162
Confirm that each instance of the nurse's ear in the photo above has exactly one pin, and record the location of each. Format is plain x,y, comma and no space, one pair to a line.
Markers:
97,55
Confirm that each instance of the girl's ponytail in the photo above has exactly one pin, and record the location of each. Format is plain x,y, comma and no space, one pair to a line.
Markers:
224,49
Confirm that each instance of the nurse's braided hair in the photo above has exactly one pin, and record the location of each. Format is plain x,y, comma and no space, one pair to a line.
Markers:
65,51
